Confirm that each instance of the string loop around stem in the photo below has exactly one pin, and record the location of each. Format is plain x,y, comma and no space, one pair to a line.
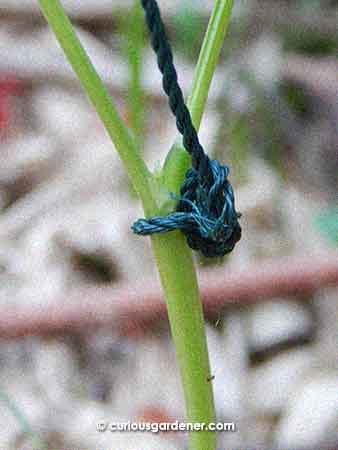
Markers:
205,211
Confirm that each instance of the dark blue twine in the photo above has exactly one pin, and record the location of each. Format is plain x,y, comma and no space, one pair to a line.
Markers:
205,211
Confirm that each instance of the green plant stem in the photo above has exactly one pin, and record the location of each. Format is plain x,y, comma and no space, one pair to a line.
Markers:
98,95
178,278
208,58
174,258
178,161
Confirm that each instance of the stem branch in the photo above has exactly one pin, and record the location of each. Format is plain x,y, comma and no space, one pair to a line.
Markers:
178,161
98,95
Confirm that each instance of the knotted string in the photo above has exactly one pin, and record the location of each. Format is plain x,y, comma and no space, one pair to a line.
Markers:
205,212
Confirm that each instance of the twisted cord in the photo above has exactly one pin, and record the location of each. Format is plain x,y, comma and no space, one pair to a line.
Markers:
205,212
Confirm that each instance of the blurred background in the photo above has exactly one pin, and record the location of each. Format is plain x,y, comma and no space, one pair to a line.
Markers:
67,251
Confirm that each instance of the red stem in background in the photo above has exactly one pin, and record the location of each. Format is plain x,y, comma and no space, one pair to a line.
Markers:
134,309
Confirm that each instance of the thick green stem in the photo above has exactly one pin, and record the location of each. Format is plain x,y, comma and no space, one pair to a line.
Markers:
178,277
178,161
98,95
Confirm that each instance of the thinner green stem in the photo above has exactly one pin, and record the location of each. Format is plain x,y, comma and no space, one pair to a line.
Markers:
208,58
178,160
